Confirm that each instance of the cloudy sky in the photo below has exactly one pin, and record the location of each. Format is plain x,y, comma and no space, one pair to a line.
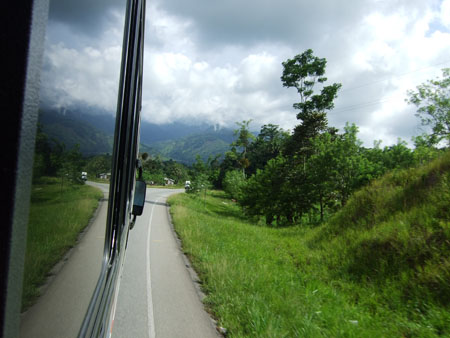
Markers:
219,61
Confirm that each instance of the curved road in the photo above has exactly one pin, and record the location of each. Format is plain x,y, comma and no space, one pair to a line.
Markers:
60,309
157,296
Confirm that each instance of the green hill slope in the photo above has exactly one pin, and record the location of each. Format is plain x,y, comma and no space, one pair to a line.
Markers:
206,144
396,231
71,131
379,268
94,134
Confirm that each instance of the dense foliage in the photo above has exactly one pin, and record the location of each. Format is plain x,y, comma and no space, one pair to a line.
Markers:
309,174
433,102
156,171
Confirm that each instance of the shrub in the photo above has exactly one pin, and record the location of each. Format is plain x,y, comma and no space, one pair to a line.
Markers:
233,182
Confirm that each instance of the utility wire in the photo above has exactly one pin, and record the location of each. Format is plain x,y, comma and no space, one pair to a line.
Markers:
364,104
394,76
380,100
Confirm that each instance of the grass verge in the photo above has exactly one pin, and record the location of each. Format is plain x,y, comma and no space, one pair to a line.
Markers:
379,268
57,215
173,186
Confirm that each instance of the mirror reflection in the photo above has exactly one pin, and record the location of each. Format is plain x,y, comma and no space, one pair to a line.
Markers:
72,166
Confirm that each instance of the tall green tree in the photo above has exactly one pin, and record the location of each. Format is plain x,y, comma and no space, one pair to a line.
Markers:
433,101
303,72
267,145
244,138
213,164
321,172
229,163
262,195
352,169
233,184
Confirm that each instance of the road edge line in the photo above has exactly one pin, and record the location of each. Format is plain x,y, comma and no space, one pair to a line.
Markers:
150,317
196,281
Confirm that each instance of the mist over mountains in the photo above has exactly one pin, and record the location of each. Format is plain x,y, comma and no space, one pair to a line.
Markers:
94,134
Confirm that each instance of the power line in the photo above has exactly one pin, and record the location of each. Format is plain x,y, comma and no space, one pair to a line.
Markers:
394,76
380,100
364,104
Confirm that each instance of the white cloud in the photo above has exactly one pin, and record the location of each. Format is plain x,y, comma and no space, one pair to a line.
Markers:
257,71
87,76
195,91
221,63
393,53
445,13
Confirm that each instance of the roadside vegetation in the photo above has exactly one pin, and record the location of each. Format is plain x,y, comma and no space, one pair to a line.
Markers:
58,213
315,235
379,267
307,175
157,172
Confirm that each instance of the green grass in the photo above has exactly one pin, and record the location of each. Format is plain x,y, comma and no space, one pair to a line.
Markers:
379,268
57,215
98,180
173,186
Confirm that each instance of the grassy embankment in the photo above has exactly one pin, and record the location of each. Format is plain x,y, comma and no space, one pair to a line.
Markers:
57,215
378,268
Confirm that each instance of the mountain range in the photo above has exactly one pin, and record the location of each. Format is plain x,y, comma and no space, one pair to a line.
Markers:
94,133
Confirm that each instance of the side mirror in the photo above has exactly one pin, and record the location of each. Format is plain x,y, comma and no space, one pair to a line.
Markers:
139,198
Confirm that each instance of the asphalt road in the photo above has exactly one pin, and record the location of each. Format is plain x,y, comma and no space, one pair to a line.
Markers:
60,310
157,296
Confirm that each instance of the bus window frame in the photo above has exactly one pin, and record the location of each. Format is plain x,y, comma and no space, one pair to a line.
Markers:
23,27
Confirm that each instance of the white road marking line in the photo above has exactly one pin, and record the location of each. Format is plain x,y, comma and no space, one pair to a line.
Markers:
150,318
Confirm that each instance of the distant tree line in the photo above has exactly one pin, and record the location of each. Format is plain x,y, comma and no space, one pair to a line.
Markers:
52,158
305,175
155,170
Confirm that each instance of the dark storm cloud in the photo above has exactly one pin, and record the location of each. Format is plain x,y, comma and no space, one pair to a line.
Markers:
293,21
84,16
246,22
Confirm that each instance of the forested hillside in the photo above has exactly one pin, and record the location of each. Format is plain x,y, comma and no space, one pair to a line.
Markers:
70,131
94,135
206,144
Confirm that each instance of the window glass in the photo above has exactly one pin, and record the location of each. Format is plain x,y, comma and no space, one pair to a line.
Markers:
72,165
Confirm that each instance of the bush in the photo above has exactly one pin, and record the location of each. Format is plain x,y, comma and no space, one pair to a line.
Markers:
233,182
199,184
